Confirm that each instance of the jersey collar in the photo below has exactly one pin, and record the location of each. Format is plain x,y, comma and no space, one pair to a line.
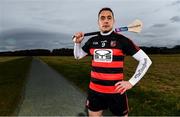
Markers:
105,34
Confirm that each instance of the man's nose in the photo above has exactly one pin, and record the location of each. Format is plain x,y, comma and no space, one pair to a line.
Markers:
106,21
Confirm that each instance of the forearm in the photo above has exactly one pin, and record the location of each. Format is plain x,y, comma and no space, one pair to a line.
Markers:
143,66
78,52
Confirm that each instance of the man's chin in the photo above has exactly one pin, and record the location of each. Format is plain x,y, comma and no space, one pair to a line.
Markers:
106,31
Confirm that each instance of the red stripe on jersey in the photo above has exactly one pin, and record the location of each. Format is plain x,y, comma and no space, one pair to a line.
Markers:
116,52
114,64
104,76
102,89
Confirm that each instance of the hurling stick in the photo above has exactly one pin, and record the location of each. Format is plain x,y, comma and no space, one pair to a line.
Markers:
135,26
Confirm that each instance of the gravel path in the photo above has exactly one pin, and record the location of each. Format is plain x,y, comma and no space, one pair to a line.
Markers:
48,94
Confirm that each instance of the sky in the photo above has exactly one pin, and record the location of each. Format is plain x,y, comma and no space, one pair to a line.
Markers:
50,24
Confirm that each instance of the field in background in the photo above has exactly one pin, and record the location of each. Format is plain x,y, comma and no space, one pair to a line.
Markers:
6,58
13,71
158,93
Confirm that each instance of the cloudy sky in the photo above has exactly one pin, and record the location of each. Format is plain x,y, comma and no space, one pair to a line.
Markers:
49,24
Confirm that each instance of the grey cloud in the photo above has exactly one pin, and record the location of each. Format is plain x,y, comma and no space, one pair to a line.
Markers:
3,48
60,22
33,39
149,35
161,30
56,21
176,2
159,25
159,42
175,19
156,10
155,30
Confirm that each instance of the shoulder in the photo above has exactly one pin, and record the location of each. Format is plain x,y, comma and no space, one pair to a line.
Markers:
94,38
121,37
126,42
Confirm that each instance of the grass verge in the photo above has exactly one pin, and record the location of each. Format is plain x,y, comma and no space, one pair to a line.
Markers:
13,72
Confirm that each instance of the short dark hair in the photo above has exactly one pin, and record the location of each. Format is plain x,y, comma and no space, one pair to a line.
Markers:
106,9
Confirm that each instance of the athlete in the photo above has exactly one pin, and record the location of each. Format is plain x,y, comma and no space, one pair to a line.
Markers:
107,88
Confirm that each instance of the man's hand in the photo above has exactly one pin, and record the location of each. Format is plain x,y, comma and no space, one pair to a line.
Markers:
79,36
122,86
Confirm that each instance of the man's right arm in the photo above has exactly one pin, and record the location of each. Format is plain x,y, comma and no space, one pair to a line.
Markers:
78,52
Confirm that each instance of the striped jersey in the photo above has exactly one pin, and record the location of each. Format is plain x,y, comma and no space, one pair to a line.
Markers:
108,60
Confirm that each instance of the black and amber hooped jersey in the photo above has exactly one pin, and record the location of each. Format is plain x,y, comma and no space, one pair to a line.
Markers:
108,60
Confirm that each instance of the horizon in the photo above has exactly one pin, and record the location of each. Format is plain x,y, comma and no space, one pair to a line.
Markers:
46,49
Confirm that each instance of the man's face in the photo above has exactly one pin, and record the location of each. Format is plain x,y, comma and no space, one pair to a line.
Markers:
105,21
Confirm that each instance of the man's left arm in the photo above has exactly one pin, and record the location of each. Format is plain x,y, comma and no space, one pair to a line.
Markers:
143,66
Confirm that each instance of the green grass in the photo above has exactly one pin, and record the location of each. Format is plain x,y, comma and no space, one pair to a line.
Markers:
158,93
6,58
13,71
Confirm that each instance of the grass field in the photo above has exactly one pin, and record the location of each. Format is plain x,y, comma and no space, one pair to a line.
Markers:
6,58
158,93
13,71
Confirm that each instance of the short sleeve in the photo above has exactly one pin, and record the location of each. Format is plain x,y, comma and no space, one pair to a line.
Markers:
86,46
129,48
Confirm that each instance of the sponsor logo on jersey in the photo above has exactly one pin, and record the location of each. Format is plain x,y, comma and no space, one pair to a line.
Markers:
103,55
95,43
113,43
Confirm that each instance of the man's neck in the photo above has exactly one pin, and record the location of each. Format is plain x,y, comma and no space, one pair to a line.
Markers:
106,33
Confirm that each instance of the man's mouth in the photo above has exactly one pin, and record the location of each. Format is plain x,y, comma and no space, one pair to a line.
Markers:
106,26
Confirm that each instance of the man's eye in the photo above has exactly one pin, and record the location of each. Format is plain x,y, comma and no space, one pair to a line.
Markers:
102,18
109,18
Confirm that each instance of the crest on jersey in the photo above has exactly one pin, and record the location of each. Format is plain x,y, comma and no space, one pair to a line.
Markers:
113,43
103,55
103,43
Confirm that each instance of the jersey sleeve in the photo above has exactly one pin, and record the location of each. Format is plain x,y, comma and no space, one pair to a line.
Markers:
86,46
129,48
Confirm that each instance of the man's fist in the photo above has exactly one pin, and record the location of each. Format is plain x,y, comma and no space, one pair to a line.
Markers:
78,37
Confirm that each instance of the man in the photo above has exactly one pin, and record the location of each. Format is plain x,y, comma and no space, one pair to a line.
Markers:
107,87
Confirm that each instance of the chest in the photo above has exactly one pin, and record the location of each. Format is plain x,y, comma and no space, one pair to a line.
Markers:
106,50
106,43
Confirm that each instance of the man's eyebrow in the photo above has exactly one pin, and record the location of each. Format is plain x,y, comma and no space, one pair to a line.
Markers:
105,16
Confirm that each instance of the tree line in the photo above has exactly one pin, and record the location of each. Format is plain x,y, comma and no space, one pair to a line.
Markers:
69,52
